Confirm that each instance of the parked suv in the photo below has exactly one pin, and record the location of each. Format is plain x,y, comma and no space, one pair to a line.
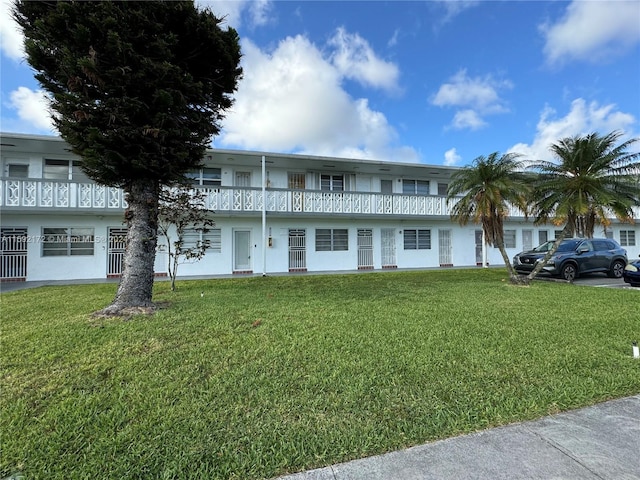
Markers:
574,257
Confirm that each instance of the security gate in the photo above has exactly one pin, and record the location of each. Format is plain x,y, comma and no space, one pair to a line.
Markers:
116,245
444,248
365,249
297,250
388,247
13,253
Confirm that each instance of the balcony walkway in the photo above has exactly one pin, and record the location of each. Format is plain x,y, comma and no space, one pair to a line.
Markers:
37,195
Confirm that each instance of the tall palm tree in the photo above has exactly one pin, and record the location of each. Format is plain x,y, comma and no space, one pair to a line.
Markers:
594,178
489,188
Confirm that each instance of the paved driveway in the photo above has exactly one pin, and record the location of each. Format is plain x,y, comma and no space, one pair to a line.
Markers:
601,280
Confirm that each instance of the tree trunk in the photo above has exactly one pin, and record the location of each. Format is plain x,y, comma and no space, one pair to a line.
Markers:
540,265
514,278
136,284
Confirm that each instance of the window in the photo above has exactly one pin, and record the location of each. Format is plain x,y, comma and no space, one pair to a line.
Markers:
63,170
543,237
509,239
415,187
332,182
205,176
18,170
442,189
603,245
332,240
628,238
194,237
415,239
64,242
296,181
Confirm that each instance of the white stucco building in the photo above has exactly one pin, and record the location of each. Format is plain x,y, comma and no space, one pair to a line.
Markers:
273,213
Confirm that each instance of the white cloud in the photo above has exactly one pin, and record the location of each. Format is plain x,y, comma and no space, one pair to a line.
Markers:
11,38
473,97
232,10
32,107
259,11
355,59
593,31
291,99
455,7
467,119
451,157
583,118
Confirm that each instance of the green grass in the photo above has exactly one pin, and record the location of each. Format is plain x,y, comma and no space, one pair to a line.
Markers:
264,376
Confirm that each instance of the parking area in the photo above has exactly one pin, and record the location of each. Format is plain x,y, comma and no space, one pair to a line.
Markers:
601,280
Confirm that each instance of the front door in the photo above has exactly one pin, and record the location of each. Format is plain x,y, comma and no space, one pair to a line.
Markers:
444,248
242,251
365,248
388,247
478,247
527,240
242,196
297,250
115,250
296,182
13,253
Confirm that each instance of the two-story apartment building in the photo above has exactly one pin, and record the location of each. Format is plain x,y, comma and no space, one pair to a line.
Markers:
273,213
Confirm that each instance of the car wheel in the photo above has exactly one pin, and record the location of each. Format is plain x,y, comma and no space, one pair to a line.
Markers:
616,269
569,272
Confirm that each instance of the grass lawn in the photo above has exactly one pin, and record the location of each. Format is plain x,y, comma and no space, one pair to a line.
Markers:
264,376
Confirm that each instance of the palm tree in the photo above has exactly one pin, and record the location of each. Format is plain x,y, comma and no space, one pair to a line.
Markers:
593,179
489,188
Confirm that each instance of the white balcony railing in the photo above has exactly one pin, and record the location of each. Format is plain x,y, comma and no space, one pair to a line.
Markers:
43,194
55,194
59,194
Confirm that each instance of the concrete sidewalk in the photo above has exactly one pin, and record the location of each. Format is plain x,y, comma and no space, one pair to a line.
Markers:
598,442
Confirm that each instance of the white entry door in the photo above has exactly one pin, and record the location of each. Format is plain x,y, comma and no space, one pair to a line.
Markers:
365,248
241,251
388,256
478,237
115,250
297,250
13,253
444,248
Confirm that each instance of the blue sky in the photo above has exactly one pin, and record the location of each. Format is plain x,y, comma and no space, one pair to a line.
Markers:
437,82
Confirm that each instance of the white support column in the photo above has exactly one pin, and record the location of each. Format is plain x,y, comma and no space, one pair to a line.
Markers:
265,240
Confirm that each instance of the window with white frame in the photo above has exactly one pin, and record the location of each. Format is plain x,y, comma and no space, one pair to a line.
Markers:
417,239
205,176
442,188
18,170
56,169
67,241
628,238
415,187
193,237
332,182
332,239
509,239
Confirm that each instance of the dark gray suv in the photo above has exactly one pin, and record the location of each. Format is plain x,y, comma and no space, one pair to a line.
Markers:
574,257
